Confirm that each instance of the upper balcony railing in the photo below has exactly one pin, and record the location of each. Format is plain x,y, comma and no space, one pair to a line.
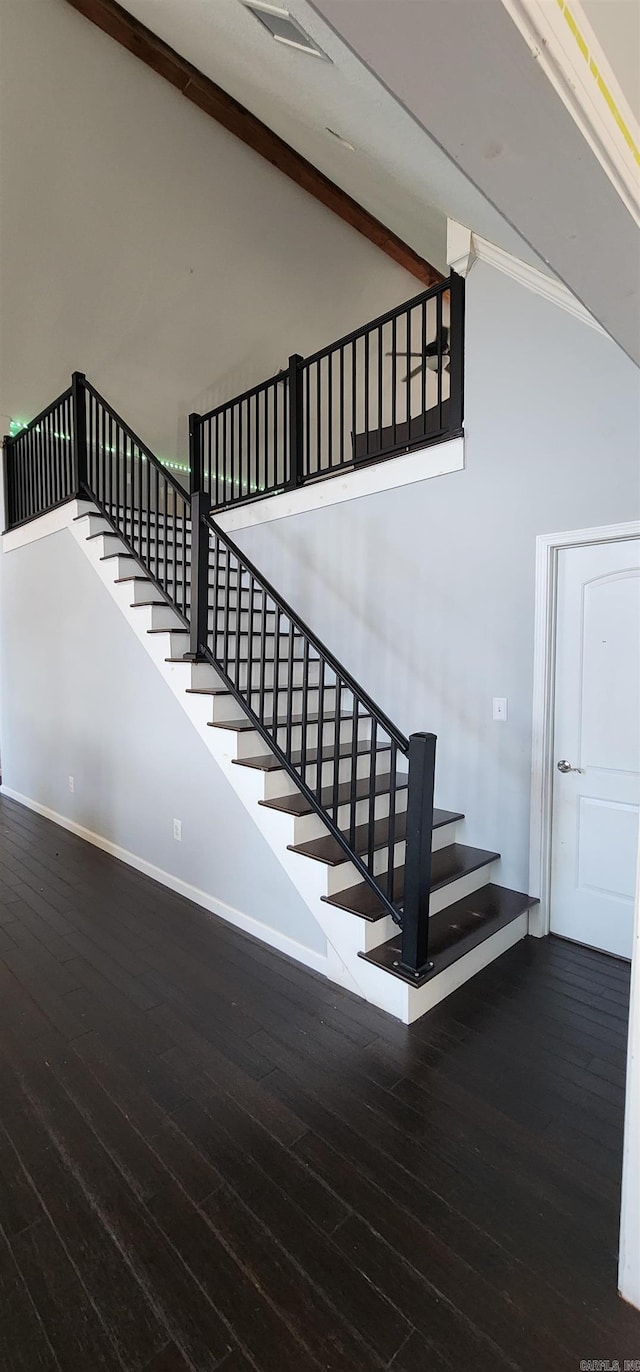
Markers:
390,386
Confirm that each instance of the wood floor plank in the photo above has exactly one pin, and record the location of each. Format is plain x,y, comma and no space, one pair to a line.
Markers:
24,1346
213,1160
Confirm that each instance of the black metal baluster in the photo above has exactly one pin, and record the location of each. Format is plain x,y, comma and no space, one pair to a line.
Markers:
391,871
55,468
225,635
307,421
394,379
253,459
337,741
271,460
252,584
263,663
330,410
367,428
275,713
232,453
354,403
289,715
321,699
343,447
305,709
353,783
148,521
439,347
380,384
424,373
373,780
239,622
294,391
408,375
48,444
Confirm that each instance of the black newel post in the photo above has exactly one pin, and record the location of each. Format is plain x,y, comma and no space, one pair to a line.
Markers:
295,421
7,484
417,871
200,506
456,352
80,454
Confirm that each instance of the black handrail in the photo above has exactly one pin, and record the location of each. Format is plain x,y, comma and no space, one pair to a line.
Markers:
134,440
190,560
314,640
382,319
143,501
360,399
225,658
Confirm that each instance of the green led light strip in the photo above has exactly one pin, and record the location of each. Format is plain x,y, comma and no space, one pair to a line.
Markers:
17,426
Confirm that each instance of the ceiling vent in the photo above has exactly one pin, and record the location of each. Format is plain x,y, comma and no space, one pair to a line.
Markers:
284,28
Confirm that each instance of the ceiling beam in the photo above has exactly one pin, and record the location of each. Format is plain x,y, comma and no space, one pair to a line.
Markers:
119,24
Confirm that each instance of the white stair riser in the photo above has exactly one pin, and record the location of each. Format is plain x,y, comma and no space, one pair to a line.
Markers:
440,899
124,566
308,827
348,875
278,783
250,743
270,674
222,705
161,617
228,651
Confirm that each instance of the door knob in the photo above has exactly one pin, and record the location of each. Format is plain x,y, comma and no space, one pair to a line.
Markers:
564,766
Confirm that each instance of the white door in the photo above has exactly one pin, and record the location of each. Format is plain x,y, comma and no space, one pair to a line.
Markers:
597,737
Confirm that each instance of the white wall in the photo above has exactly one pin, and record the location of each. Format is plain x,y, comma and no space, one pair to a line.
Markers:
81,698
143,244
426,592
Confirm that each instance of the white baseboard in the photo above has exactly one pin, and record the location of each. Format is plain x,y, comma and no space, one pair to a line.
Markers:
263,932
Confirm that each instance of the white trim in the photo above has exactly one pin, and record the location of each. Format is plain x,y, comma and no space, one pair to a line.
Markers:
464,248
548,547
568,54
51,523
264,932
420,465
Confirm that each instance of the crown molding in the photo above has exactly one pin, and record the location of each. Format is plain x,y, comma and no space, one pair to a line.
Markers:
562,42
464,248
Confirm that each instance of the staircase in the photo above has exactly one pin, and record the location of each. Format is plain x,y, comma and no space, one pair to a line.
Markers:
343,798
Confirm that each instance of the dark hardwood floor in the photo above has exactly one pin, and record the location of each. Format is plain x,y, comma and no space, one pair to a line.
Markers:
213,1159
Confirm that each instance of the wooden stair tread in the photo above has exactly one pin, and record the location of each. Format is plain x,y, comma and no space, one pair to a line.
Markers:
327,849
447,865
453,932
298,805
270,763
243,726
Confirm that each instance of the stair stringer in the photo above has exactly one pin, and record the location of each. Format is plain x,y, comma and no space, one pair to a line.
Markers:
346,935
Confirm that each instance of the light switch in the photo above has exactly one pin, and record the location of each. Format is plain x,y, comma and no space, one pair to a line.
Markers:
500,709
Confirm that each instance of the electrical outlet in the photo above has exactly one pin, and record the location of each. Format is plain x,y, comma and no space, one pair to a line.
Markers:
177,830
71,783
500,709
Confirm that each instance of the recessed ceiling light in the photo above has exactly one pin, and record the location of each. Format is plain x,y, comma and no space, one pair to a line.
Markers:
284,28
338,136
